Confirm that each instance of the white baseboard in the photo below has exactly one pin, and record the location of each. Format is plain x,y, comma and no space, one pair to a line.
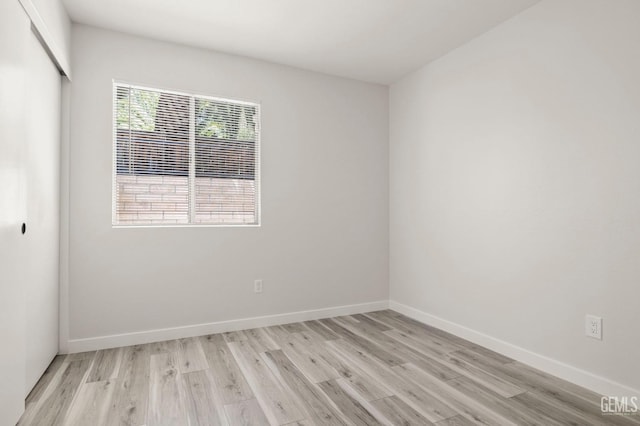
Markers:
551,366
158,335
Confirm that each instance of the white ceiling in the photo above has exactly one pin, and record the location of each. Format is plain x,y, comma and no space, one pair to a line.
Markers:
372,40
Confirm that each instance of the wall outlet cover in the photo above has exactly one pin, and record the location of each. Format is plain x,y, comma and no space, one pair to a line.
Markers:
593,326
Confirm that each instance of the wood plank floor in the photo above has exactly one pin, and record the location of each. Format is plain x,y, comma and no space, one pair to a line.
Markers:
369,369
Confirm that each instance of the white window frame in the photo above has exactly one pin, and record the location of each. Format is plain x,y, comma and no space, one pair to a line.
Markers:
192,95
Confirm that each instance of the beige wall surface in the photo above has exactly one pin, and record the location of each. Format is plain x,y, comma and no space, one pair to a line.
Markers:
515,185
323,241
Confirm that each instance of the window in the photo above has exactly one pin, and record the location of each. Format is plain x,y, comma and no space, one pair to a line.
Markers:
182,159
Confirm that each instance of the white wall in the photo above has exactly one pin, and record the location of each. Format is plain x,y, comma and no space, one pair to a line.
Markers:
324,235
52,24
58,23
515,185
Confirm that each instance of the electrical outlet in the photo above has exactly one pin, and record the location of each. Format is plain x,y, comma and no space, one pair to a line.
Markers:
593,326
257,286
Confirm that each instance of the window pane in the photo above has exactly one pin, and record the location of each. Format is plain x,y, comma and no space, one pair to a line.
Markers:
152,157
155,132
225,162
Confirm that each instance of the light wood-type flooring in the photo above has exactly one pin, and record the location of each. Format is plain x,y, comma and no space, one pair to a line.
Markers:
369,369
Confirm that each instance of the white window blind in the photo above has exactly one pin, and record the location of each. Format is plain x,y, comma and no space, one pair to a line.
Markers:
183,159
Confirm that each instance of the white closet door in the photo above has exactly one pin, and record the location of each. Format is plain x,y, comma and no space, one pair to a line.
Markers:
43,106
14,32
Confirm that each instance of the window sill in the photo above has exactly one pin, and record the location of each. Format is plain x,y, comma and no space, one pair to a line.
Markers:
221,225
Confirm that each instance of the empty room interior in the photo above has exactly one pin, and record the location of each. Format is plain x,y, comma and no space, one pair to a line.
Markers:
319,212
